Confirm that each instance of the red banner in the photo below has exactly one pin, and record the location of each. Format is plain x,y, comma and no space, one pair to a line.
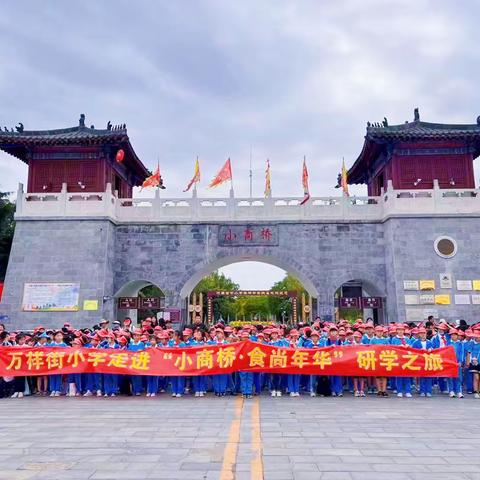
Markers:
361,360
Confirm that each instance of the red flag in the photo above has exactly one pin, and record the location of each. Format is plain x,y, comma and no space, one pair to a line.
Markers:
223,175
153,180
306,193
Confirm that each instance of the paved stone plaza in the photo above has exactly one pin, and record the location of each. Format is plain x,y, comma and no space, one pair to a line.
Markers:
231,438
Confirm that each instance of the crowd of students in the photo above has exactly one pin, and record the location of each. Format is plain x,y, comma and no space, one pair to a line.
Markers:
465,340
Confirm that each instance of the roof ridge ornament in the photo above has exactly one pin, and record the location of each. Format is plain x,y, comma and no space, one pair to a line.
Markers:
416,115
81,121
478,120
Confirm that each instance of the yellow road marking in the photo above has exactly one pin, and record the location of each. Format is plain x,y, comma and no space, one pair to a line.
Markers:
256,465
231,448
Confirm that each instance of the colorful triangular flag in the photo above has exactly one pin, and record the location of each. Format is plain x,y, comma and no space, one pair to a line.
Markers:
306,192
196,176
223,175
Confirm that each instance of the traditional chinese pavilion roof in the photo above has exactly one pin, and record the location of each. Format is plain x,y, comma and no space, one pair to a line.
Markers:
380,135
20,142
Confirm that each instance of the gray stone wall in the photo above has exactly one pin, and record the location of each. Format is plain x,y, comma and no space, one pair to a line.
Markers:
322,255
104,258
60,251
410,255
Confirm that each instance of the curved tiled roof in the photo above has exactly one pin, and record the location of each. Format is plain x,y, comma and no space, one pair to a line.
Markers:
18,143
423,130
380,135
81,135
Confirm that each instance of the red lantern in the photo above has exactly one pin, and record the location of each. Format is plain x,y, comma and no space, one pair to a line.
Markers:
120,156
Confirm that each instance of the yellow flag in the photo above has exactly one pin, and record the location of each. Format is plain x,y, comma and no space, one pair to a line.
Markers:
268,188
344,182
195,178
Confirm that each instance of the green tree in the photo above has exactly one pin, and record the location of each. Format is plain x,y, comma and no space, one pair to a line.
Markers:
282,307
7,227
222,306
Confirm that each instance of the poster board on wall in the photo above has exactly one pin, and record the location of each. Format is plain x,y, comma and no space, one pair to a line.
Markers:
51,297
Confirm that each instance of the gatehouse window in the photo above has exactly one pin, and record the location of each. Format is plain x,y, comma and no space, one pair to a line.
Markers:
445,247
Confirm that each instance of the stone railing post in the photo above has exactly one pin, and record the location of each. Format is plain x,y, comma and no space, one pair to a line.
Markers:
64,199
157,205
19,200
345,203
109,207
437,196
268,207
231,205
195,205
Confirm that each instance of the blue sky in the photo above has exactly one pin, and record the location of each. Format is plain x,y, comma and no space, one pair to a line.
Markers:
216,78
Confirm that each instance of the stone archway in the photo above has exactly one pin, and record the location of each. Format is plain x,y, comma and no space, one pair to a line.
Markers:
206,268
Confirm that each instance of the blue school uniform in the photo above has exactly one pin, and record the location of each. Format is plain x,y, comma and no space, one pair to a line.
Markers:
403,384
293,379
455,384
313,380
55,381
198,381
93,381
336,382
178,383
366,340
110,380
426,383
439,341
219,381
136,380
277,378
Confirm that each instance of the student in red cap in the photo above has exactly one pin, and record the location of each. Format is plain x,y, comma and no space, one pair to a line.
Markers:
404,384
56,380
358,382
294,378
219,381
422,343
110,380
75,379
42,380
473,362
276,378
136,345
455,383
381,338
199,381
19,382
246,378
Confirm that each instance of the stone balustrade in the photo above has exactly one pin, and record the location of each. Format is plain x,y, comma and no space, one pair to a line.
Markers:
437,202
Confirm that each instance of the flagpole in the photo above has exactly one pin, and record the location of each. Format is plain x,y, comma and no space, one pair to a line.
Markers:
251,171
158,170
195,184
231,178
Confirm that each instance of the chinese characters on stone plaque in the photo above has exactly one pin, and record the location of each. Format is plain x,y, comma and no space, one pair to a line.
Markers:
244,235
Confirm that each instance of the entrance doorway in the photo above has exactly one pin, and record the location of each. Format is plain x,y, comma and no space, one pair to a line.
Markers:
139,300
359,299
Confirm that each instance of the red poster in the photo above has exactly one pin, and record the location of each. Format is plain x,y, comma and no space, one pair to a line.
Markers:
361,360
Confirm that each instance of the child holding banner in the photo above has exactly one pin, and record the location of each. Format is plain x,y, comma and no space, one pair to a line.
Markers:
422,343
56,380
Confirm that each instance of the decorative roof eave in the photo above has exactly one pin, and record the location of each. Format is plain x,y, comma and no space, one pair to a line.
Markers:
357,172
17,143
380,134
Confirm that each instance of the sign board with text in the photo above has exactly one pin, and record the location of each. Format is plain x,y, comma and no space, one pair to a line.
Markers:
245,235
